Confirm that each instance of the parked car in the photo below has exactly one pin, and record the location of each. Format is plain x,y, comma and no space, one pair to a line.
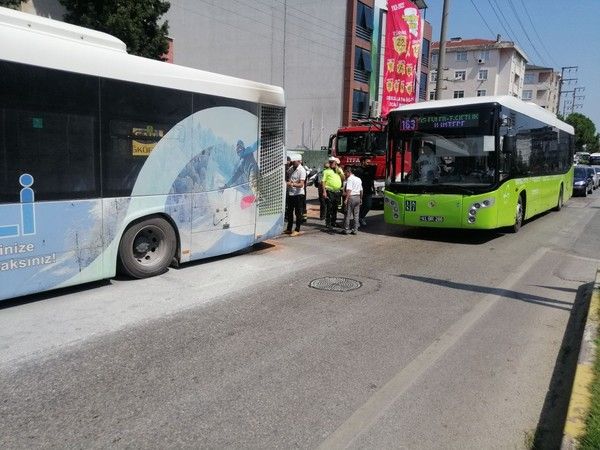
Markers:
583,182
595,179
597,169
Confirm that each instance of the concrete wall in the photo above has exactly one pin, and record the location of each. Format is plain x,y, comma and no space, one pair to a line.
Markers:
45,8
298,45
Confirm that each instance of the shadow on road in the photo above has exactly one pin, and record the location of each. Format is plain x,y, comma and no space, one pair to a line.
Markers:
11,303
376,225
515,295
549,431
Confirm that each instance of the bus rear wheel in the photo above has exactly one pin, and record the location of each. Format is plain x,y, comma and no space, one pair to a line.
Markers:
147,248
519,214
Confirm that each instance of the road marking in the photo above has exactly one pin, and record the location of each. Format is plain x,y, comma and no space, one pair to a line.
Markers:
364,417
572,255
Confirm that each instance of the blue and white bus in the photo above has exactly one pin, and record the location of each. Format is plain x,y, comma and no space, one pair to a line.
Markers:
109,160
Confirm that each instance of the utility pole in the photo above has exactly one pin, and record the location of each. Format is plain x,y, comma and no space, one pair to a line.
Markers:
572,104
575,97
562,80
442,54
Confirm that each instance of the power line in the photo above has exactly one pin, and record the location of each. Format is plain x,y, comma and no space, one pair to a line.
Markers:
318,29
505,19
236,13
510,2
284,2
500,20
537,34
483,18
266,36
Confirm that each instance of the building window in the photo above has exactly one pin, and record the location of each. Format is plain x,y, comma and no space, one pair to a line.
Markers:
461,56
432,95
433,76
360,105
481,93
459,94
425,53
434,59
482,74
527,94
484,55
460,75
362,65
364,21
529,78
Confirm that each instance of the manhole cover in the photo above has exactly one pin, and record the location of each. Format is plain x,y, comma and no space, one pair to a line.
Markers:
338,284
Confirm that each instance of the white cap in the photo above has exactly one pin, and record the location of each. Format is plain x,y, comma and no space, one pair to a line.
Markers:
295,157
334,159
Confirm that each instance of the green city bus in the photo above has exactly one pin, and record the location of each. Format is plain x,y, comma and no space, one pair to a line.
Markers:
477,163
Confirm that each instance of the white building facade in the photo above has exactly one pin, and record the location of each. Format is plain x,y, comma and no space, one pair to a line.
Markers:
478,67
540,86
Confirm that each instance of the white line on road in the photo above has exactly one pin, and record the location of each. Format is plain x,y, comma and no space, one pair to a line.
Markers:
365,416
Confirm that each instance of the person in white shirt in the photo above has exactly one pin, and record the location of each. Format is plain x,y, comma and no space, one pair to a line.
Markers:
296,177
353,199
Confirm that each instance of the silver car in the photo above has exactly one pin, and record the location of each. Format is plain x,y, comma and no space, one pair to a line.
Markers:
597,171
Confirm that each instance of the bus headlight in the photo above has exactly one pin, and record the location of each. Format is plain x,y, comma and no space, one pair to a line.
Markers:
475,206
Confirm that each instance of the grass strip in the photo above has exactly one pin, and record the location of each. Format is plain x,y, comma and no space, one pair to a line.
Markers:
591,438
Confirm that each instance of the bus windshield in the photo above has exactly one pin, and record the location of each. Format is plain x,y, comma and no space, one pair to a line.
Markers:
466,160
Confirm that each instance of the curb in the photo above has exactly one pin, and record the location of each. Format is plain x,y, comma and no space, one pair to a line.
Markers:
579,404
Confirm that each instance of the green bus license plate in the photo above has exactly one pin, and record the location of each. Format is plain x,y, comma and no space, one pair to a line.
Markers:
431,219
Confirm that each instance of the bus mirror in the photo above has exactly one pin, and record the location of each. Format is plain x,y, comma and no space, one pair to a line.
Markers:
509,144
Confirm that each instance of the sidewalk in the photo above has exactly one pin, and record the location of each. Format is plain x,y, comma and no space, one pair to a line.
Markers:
581,395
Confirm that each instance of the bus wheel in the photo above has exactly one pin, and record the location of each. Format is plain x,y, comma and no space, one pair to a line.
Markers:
519,214
147,248
559,203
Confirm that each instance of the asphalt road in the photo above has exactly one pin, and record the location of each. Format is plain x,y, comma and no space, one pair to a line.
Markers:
452,340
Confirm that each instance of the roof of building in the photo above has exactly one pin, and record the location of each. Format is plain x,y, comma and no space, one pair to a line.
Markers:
465,43
534,67
457,44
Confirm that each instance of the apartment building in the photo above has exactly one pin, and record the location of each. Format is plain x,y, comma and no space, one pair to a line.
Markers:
478,67
540,86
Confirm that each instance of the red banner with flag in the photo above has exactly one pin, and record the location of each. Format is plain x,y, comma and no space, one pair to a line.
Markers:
403,37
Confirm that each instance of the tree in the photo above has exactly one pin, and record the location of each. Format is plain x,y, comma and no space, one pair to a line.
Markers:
585,131
132,21
13,4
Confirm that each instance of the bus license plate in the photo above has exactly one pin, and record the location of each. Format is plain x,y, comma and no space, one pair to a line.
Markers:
431,219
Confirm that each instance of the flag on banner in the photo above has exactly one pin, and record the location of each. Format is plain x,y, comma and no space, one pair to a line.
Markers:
403,38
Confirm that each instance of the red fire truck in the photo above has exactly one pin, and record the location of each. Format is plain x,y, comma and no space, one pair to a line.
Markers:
364,138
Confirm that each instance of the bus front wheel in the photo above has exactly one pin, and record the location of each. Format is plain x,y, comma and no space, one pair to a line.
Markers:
519,214
147,248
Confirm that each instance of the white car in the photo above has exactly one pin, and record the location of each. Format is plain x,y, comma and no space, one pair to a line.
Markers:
597,177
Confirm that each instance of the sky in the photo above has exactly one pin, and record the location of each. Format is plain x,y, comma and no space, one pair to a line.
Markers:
557,34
